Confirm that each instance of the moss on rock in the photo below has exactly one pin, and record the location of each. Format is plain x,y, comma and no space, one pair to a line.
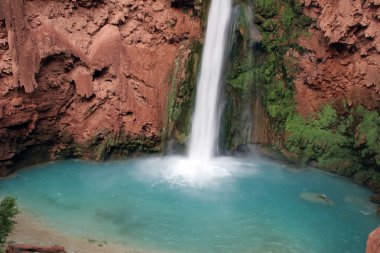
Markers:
338,138
182,93
116,146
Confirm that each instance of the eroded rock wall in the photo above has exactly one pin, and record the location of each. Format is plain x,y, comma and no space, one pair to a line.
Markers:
86,78
343,55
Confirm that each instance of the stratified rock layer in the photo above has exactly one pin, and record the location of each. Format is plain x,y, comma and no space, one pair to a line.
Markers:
82,78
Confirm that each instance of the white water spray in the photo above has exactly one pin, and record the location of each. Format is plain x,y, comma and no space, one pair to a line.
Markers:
205,125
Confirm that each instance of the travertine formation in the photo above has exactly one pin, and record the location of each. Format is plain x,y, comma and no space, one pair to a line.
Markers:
343,55
80,77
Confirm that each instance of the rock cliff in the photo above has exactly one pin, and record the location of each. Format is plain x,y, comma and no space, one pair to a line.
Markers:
312,81
342,61
338,80
87,78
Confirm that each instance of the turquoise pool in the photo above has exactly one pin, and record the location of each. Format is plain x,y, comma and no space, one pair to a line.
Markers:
168,204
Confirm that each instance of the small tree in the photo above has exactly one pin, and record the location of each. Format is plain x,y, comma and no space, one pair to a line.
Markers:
8,211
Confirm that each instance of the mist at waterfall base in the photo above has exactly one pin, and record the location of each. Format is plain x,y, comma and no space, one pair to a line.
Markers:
250,205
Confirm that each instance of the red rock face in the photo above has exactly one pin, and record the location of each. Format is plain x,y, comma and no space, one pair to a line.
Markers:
373,243
343,58
76,72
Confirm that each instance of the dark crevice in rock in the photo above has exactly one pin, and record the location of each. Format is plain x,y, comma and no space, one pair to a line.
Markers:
3,36
146,127
87,3
32,155
182,3
99,73
339,47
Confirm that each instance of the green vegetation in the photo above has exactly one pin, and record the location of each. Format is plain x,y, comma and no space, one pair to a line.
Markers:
338,138
242,82
280,23
264,72
267,8
8,211
182,94
368,135
116,145
239,86
274,65
345,143
318,139
128,144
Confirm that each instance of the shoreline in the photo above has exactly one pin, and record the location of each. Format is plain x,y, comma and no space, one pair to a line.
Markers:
30,230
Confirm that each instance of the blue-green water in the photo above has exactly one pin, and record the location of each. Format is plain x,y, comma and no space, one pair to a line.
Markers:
230,205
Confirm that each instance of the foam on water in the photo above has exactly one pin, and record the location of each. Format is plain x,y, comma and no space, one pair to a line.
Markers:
183,172
156,205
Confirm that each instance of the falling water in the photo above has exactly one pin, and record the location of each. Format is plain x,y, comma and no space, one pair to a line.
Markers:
205,125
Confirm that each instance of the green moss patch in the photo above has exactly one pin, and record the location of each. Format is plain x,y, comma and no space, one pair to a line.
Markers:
182,95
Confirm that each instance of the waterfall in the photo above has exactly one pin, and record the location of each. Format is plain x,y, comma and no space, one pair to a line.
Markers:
205,125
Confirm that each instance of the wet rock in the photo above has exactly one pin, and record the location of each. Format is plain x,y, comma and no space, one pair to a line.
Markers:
316,197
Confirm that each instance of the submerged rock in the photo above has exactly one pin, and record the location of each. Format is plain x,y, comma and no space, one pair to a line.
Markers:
316,197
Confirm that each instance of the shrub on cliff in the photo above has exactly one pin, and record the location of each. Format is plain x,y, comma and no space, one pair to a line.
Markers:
8,211
367,135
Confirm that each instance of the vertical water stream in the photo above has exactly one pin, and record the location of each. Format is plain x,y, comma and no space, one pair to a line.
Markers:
205,125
